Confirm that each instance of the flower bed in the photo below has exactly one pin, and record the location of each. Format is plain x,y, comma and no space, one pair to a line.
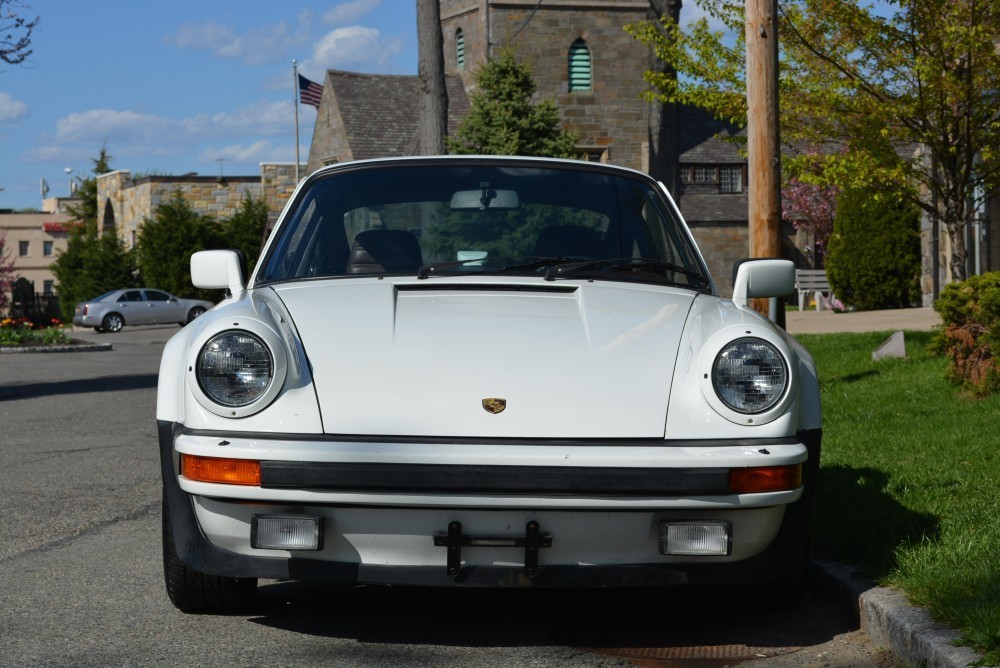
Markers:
24,332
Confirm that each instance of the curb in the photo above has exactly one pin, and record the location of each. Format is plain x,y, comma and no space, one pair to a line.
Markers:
890,621
72,348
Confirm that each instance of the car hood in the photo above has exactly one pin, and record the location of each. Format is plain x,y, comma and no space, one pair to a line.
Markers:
568,359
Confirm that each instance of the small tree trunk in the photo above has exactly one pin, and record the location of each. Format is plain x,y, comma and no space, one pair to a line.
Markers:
433,94
662,122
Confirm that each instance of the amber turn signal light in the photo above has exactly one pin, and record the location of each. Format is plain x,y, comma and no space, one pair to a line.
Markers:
217,469
765,479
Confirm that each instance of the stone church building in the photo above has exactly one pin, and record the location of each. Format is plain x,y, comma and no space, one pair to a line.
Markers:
582,59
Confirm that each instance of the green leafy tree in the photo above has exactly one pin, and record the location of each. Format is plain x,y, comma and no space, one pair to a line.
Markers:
167,241
244,231
910,89
503,120
873,256
92,263
86,189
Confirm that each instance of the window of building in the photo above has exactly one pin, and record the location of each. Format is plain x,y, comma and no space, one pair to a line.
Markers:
48,287
22,248
705,175
47,248
459,49
731,179
593,154
579,67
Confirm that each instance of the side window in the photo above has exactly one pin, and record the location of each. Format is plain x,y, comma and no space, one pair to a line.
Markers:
131,296
156,296
459,49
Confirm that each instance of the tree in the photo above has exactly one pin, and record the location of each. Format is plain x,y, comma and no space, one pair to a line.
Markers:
504,121
874,252
245,229
92,263
167,241
7,274
662,115
86,190
15,33
433,94
913,96
811,208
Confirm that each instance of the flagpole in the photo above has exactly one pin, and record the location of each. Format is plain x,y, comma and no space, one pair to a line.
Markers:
295,90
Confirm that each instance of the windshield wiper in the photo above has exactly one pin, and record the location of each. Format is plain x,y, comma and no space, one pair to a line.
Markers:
515,262
625,263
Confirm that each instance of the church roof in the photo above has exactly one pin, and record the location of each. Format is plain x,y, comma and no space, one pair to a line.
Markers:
381,112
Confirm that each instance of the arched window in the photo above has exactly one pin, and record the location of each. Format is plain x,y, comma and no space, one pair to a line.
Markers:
108,224
459,49
579,67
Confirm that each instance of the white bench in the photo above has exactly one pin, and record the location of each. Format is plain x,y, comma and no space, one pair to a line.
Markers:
812,282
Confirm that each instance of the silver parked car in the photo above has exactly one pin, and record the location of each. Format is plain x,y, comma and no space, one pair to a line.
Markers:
137,306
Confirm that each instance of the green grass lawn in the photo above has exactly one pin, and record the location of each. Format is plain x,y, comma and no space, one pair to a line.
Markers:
909,487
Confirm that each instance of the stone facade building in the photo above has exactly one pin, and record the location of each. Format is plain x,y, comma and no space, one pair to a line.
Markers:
123,203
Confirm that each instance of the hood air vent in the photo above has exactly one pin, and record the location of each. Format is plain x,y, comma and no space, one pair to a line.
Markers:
482,287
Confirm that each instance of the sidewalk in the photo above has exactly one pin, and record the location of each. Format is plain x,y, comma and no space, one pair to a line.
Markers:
825,322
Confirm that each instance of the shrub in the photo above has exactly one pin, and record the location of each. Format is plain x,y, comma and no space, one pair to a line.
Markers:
873,259
970,311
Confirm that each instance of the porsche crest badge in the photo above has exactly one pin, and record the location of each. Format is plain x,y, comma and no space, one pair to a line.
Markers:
494,405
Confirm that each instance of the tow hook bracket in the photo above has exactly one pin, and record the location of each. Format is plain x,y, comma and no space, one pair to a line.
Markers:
531,541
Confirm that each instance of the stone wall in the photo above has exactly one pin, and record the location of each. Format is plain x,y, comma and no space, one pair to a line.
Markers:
123,203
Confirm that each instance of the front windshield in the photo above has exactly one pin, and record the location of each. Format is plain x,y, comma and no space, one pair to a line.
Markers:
453,218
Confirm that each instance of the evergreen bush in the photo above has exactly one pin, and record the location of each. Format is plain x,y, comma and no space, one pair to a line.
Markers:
873,259
970,311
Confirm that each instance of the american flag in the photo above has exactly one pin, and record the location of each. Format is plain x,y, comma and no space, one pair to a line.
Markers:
310,92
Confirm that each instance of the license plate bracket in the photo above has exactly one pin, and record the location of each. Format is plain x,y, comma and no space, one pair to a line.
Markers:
532,540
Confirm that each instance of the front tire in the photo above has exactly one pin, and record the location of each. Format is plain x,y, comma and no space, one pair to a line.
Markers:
194,592
113,322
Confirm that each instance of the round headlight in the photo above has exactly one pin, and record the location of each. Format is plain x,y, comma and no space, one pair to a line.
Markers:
749,375
235,368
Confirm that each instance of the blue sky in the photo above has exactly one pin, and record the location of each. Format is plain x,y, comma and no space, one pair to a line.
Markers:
181,86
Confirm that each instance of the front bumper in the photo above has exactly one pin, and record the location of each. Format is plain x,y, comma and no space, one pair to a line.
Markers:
386,514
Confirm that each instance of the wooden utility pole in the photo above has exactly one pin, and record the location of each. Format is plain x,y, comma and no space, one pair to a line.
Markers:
433,94
763,155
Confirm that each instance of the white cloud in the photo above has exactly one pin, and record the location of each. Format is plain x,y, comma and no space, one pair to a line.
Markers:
131,135
350,11
355,47
110,123
11,109
266,44
256,152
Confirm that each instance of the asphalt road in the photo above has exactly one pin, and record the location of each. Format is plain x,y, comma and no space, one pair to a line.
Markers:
81,580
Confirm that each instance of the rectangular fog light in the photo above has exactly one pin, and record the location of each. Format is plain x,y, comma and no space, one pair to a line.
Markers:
700,539
286,532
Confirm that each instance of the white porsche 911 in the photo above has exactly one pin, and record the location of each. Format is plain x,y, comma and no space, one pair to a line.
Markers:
493,372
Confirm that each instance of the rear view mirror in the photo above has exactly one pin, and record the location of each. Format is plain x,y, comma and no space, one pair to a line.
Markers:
486,198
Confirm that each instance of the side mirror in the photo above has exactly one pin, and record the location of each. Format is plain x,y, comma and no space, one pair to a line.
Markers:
762,278
218,269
